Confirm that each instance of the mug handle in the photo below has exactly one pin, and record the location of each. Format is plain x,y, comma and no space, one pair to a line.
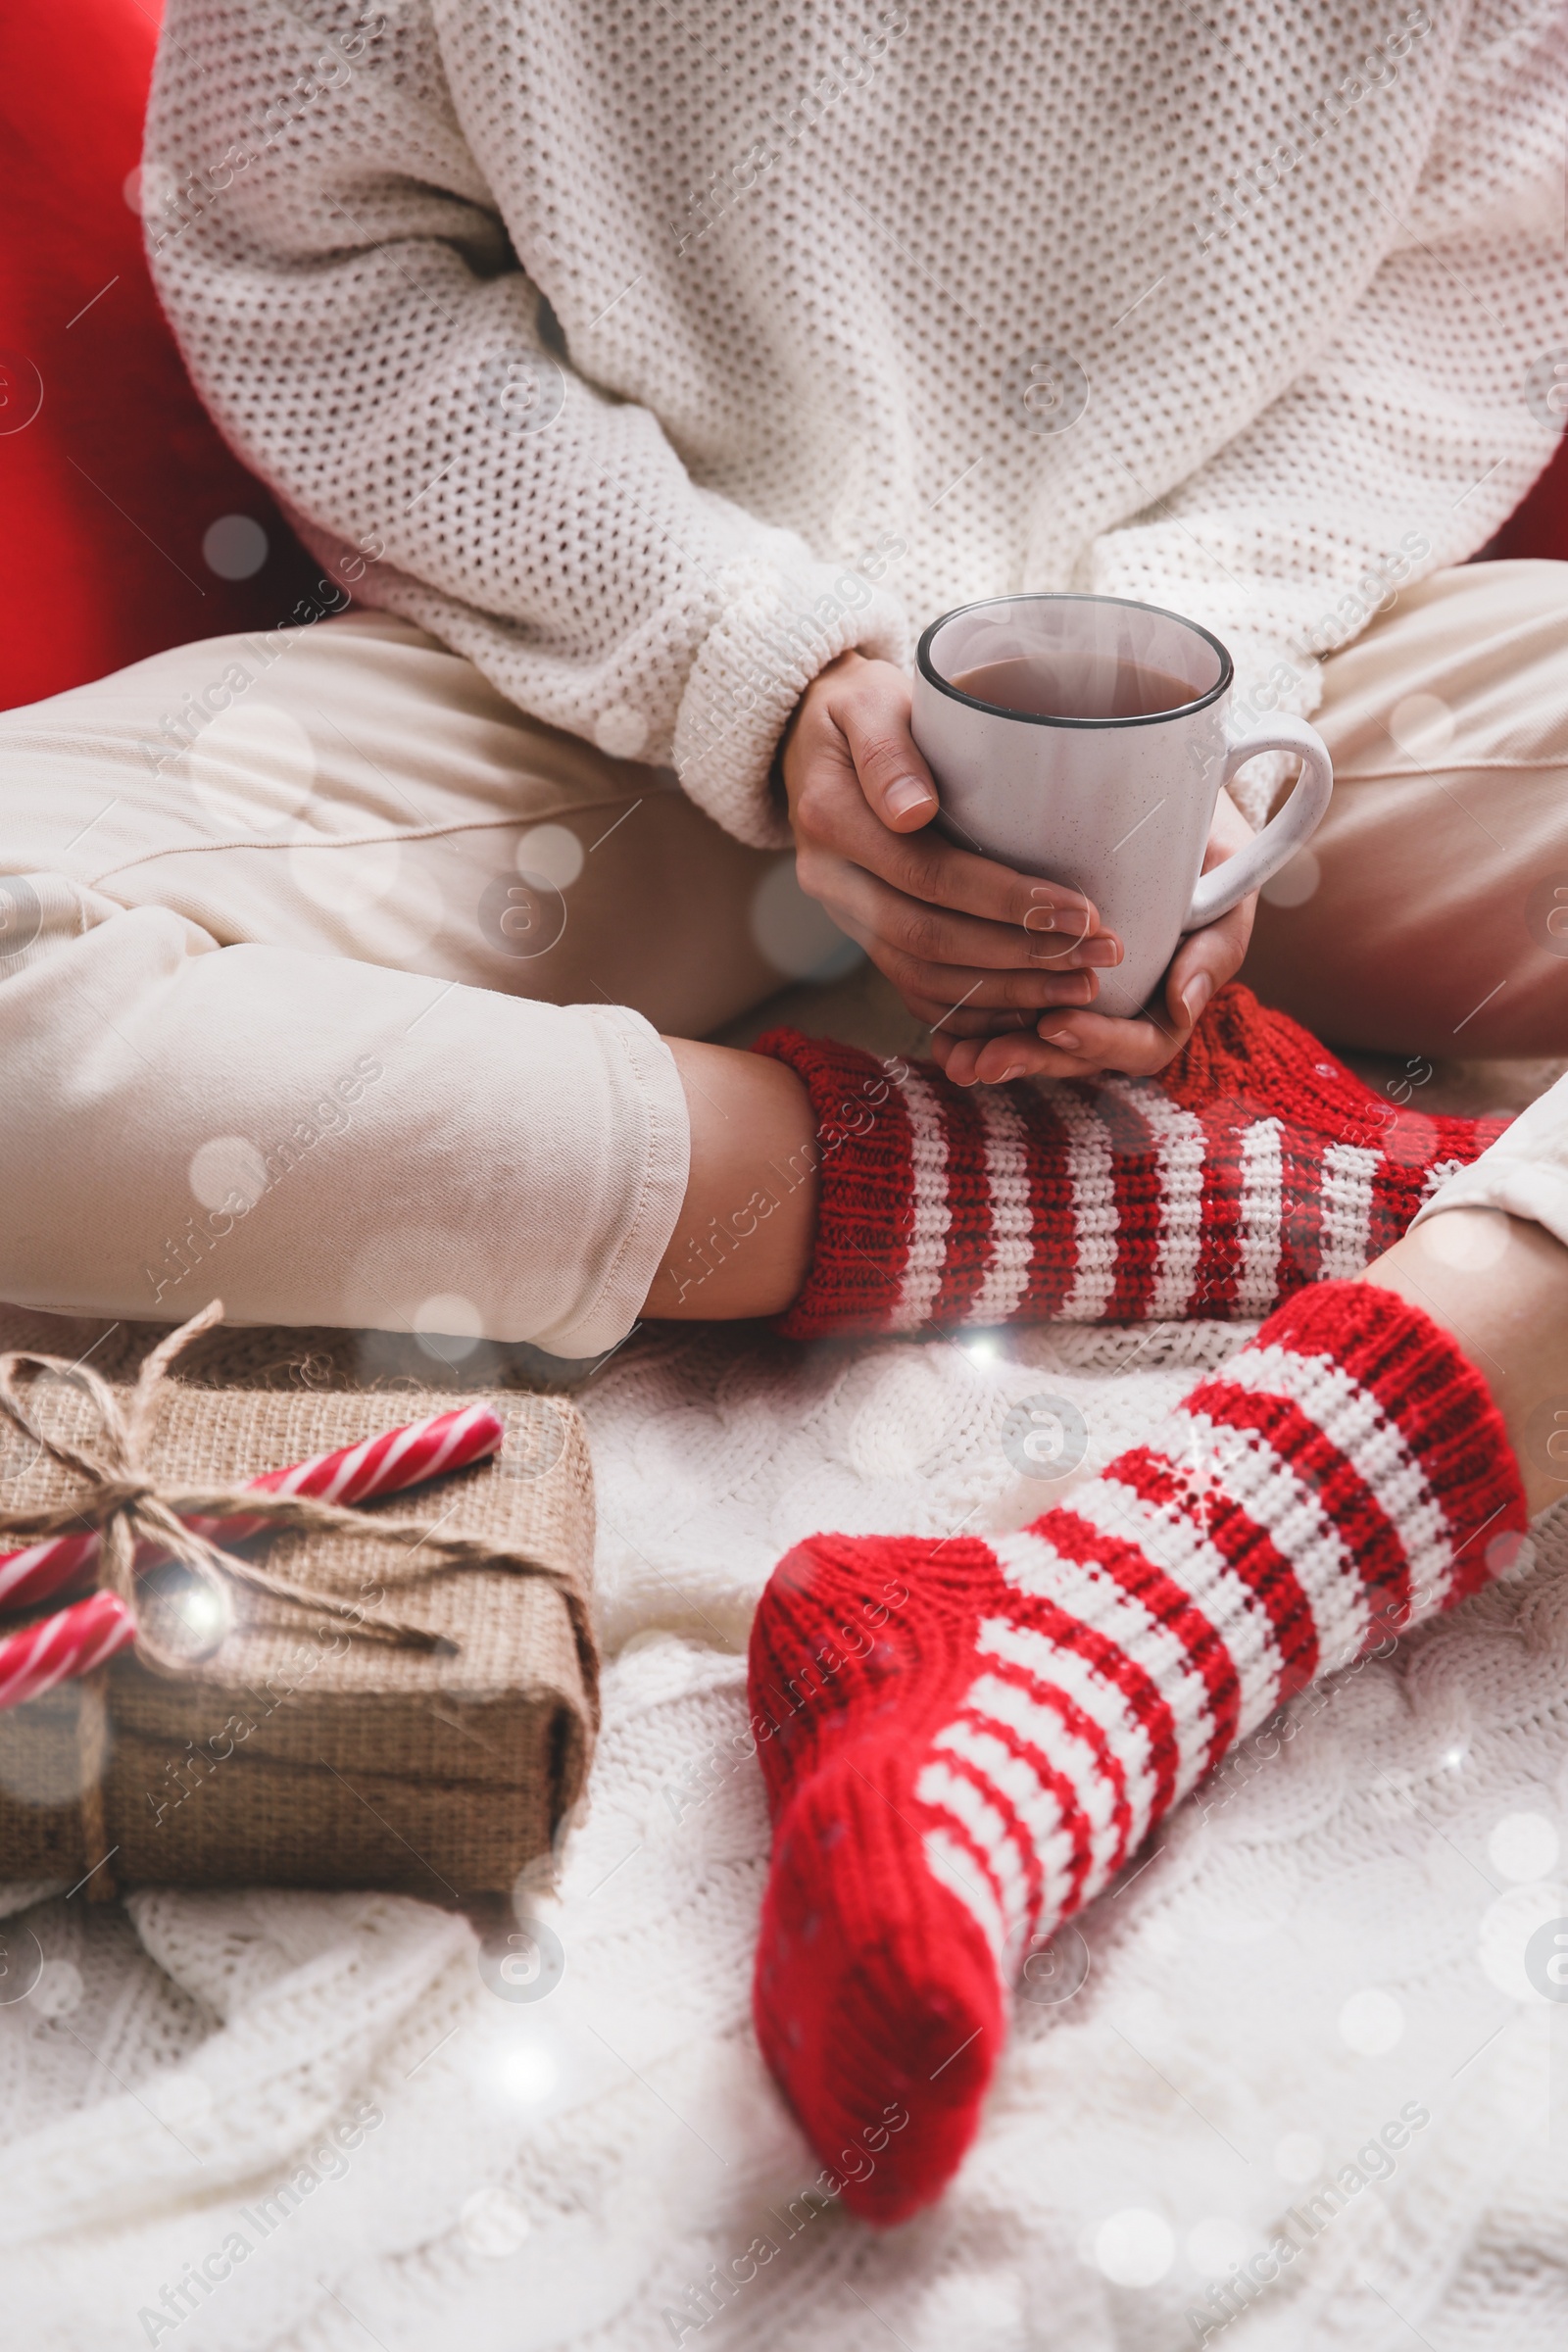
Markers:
1225,886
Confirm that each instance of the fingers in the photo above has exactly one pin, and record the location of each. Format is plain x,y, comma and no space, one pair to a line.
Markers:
840,822
1069,1044
935,951
1026,1057
926,865
1137,1048
963,1014
1079,1043
859,790
1205,960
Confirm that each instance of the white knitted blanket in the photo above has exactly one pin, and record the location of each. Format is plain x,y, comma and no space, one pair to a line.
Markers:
1328,1939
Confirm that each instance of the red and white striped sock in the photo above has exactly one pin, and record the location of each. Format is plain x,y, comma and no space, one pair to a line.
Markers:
1254,1164
964,1742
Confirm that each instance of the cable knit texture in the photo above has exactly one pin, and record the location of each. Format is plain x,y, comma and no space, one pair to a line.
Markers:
651,357
1341,1850
1257,1163
964,1743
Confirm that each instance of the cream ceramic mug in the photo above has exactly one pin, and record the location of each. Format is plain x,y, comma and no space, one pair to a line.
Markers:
1085,739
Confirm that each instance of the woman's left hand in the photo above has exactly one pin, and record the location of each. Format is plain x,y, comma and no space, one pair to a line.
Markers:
1078,1044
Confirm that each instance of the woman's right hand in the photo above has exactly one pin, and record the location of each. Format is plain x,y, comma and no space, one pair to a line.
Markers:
975,948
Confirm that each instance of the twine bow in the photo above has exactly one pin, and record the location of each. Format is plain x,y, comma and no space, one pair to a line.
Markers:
129,1507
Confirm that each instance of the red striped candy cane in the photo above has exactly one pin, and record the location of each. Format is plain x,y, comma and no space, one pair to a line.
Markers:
380,1465
70,1643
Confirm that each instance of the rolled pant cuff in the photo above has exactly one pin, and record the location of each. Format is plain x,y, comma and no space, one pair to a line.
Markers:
1524,1173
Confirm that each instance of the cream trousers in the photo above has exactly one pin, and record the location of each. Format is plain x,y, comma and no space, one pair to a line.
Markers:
332,982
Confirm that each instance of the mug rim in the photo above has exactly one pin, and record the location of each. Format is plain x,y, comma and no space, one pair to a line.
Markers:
1069,595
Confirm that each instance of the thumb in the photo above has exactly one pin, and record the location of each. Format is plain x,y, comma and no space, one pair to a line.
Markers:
895,779
1204,962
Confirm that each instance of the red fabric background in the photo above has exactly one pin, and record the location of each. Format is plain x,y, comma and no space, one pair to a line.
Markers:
1540,528
106,493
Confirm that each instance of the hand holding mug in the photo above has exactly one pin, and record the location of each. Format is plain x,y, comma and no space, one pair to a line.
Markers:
1076,1043
968,940
1087,738
942,919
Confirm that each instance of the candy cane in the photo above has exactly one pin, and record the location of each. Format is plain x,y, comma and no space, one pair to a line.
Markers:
70,1643
380,1465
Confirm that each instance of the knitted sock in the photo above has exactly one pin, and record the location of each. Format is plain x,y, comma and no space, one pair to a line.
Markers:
1254,1164
964,1742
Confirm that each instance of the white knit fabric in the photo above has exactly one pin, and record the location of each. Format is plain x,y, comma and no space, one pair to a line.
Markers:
1329,1932
651,355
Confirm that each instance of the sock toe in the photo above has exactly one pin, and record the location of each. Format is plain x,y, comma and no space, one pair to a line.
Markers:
877,2001
877,1998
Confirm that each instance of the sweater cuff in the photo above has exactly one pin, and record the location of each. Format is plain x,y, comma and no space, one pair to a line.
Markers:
778,627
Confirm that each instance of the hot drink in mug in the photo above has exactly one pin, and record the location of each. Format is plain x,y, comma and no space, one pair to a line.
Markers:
1085,739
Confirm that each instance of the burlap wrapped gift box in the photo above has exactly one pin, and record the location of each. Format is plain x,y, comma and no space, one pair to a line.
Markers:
295,1755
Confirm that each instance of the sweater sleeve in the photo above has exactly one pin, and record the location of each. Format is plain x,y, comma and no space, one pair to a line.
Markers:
1425,420
351,308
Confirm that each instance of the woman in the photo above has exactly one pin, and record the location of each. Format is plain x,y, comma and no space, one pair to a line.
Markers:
652,374
655,376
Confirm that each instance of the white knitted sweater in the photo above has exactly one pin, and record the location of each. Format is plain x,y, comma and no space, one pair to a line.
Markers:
653,355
